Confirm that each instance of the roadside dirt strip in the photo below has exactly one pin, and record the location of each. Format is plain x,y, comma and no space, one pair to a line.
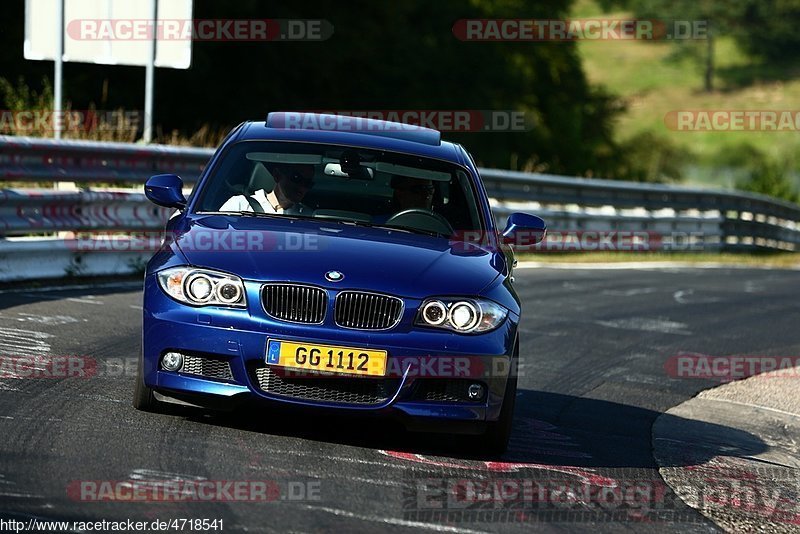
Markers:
751,480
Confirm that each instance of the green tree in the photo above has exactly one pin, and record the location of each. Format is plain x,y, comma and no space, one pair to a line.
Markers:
765,29
769,29
717,15
650,157
764,174
770,177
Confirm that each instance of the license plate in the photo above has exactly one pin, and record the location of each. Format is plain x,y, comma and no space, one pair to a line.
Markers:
326,358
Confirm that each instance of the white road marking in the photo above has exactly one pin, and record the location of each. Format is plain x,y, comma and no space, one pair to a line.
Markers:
391,520
335,458
20,342
16,495
681,297
387,483
89,299
42,319
151,475
32,418
629,292
20,346
748,404
100,398
24,334
753,287
626,376
140,478
21,495
381,482
663,326
135,307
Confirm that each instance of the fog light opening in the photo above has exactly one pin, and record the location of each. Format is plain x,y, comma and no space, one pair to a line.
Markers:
475,392
172,361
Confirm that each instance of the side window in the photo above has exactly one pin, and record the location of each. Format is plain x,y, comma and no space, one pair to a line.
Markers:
455,205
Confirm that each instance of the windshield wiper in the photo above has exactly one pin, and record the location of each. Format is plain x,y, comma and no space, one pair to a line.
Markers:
244,213
406,229
413,230
371,225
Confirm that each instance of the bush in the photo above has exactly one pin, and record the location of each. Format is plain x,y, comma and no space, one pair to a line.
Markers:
649,157
764,174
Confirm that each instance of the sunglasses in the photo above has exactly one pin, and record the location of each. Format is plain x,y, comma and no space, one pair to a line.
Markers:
418,189
298,179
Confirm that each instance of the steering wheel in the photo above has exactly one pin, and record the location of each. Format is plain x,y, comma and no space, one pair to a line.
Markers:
441,225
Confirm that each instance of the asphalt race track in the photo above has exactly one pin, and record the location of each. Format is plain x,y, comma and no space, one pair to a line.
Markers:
593,380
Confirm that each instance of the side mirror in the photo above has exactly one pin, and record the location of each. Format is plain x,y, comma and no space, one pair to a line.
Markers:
165,190
524,230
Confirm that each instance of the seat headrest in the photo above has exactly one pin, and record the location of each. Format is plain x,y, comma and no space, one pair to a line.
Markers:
260,178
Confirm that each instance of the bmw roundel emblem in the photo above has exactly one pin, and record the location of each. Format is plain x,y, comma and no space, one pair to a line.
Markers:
334,276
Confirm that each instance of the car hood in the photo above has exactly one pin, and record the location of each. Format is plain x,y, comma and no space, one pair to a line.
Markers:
304,250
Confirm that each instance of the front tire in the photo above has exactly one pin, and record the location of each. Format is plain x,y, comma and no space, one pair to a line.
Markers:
495,440
143,398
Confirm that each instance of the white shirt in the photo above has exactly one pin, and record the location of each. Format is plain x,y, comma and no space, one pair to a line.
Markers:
268,201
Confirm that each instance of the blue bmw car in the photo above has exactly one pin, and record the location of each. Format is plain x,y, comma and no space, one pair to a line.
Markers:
336,264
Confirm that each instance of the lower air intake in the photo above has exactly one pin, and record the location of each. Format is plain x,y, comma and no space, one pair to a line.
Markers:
339,389
206,367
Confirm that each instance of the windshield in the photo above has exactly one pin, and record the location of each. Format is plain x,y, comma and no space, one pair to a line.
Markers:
346,184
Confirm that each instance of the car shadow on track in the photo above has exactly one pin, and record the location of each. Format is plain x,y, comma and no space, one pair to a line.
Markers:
549,429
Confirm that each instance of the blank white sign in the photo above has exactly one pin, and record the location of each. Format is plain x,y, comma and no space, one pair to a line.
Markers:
107,32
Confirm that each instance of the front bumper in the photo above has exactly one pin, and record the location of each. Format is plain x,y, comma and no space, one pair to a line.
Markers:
239,337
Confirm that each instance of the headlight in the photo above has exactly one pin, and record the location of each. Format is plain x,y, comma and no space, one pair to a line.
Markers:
201,287
461,315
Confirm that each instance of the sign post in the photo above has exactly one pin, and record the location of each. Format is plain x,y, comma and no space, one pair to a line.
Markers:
149,76
92,31
58,75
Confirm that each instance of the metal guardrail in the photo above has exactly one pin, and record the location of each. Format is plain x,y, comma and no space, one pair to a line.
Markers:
30,159
25,212
682,217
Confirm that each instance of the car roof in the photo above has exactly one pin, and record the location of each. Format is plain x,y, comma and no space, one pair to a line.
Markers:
369,133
